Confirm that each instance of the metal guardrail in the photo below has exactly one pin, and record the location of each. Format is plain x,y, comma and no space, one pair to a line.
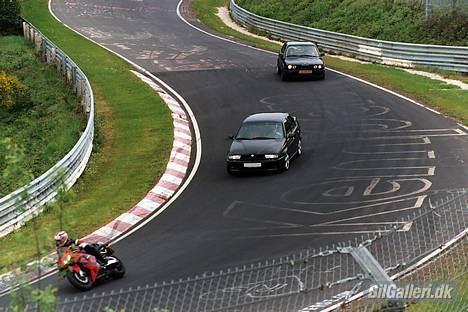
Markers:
44,188
452,58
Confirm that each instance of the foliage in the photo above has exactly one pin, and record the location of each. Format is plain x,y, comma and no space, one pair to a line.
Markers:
436,94
379,19
13,93
12,158
43,299
9,16
38,110
136,129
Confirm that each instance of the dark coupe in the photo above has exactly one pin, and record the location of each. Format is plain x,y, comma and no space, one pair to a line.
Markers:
266,141
300,59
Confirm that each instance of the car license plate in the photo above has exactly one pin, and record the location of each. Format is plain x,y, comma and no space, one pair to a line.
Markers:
305,71
252,165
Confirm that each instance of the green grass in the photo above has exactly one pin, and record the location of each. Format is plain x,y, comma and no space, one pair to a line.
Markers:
50,125
402,21
448,99
206,11
135,138
449,268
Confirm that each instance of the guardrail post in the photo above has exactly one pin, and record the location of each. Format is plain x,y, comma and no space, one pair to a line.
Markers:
452,58
52,55
374,271
43,188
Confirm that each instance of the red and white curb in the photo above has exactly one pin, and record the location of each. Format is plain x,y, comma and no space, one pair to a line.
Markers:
168,184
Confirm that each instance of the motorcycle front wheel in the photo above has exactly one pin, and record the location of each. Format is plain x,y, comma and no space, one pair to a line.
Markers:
81,281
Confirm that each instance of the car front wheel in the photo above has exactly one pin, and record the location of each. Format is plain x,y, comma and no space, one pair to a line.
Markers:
286,163
299,148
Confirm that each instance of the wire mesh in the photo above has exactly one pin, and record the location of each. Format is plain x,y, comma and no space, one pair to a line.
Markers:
314,279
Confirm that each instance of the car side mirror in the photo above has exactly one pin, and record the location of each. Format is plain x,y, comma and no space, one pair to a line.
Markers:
322,54
231,137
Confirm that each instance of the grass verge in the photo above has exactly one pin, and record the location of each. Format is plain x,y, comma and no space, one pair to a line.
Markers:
402,21
49,125
445,98
449,100
134,142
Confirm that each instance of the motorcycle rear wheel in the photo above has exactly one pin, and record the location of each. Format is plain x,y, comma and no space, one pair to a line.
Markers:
83,282
119,269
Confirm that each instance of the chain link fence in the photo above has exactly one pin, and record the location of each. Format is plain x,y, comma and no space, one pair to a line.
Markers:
323,279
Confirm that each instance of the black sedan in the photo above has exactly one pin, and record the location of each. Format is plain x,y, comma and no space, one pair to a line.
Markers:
266,141
300,59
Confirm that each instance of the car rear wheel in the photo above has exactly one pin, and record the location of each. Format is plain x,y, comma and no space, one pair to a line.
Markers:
278,69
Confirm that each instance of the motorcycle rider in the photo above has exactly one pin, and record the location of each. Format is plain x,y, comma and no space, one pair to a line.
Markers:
62,242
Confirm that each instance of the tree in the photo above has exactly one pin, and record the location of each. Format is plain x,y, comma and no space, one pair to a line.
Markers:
9,16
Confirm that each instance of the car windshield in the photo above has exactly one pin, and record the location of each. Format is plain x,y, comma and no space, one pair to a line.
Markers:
260,131
301,50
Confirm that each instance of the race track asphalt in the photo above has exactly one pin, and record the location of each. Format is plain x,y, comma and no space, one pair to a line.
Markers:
369,157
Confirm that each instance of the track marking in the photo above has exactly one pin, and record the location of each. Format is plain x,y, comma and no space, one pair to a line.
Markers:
373,184
410,136
417,203
389,152
360,224
425,141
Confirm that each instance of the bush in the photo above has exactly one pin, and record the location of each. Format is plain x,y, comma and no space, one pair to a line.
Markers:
9,16
38,110
13,94
391,20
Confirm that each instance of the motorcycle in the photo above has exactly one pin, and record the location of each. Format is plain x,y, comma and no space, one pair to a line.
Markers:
83,271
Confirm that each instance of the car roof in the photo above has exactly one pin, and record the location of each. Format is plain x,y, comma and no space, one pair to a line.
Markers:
278,117
289,43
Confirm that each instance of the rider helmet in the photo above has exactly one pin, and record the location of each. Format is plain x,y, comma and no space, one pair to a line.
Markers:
60,238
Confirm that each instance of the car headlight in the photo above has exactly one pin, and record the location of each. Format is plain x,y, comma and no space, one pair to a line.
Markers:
291,66
271,156
234,157
319,66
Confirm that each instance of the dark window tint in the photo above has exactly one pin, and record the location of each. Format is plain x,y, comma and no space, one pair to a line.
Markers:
260,131
289,125
302,51
283,48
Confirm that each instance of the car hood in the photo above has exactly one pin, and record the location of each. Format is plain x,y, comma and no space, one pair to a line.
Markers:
246,147
303,61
